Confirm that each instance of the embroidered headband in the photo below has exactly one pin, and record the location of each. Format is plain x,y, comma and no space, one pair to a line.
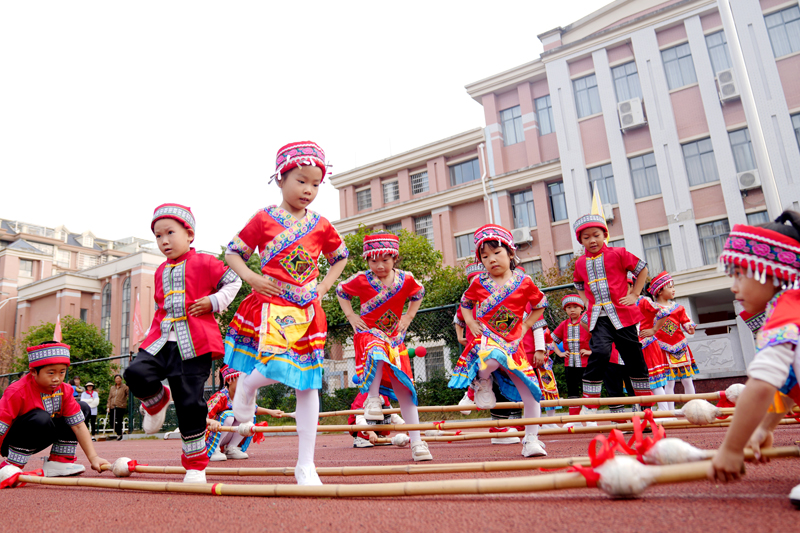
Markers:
300,153
178,212
54,353
381,244
473,269
589,221
229,374
659,282
763,252
492,232
572,299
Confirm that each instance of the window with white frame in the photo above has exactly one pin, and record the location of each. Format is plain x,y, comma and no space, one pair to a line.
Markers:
62,258
424,226
712,238
644,175
391,191
564,260
511,120
700,163
544,115
784,31
25,268
532,268
759,217
45,248
587,96
678,66
718,51
658,252
86,260
465,172
617,243
603,179
105,312
558,201
419,182
394,227
364,199
465,245
125,339
796,126
742,150
434,362
626,81
522,207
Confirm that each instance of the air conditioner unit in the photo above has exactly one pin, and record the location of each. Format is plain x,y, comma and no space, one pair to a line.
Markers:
608,211
631,114
727,85
521,235
749,179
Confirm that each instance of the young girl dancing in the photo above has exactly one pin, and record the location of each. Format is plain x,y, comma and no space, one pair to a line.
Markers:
670,336
498,298
654,356
380,331
765,265
278,333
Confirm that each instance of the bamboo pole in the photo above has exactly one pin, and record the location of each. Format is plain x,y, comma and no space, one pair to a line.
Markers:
663,474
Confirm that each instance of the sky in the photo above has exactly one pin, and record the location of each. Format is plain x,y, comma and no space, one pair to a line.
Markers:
108,109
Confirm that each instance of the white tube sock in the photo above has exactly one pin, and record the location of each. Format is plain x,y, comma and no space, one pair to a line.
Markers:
307,417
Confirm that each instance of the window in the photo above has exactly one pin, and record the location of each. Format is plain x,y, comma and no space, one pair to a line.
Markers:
424,226
644,174
558,201
658,252
62,258
105,312
511,120
618,243
626,81
84,315
712,238
391,191
522,206
465,245
434,362
587,97
718,51
465,172
125,339
364,199
784,31
700,163
679,66
760,217
742,150
46,248
393,228
532,268
26,268
86,260
419,182
544,115
564,260
603,179
796,126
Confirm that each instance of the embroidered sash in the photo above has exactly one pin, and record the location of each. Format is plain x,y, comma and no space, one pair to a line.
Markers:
282,326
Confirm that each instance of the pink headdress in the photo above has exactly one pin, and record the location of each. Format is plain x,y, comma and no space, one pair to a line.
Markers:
229,374
300,153
659,282
381,244
762,252
493,232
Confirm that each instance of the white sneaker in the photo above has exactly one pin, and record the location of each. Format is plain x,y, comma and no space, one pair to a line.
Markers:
587,411
152,423
195,476
235,452
218,456
359,442
550,426
56,469
244,403
505,440
484,395
794,495
572,425
306,475
420,452
8,471
466,401
373,408
533,448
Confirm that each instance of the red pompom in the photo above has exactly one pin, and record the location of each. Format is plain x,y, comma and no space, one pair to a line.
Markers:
420,351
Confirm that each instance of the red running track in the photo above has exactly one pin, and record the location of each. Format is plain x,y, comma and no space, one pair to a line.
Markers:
759,503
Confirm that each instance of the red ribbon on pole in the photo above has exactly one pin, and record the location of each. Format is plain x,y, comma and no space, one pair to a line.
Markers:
11,482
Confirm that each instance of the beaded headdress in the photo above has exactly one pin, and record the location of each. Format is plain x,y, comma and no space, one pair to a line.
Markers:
493,232
229,374
381,244
659,282
762,252
589,221
300,153
54,353
178,212
572,299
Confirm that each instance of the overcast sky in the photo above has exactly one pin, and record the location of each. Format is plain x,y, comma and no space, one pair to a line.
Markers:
108,109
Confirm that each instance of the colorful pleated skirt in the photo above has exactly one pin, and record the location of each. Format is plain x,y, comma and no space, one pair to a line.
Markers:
374,348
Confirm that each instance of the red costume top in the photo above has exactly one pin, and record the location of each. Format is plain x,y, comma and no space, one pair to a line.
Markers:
575,337
604,279
26,395
650,313
219,402
179,283
459,321
670,336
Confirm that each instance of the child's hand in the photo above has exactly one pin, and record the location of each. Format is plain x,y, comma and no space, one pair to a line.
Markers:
405,321
97,464
630,299
761,438
322,289
690,329
373,437
275,413
538,358
585,351
357,322
201,306
562,355
647,332
213,425
476,329
726,466
264,286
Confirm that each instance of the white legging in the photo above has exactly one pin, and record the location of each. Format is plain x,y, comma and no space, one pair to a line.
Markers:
407,407
306,415
688,388
229,438
662,406
532,408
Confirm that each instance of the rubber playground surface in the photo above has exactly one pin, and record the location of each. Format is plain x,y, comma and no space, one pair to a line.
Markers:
758,503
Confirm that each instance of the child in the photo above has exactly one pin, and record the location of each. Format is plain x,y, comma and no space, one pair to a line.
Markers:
765,265
654,356
381,329
612,310
39,411
90,397
576,337
184,336
464,335
368,439
671,339
220,414
498,298
278,333
544,371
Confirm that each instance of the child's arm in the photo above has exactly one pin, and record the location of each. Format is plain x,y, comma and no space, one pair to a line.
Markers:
212,424
333,274
460,335
630,298
355,320
657,326
473,325
274,413
259,283
227,289
762,436
406,319
85,440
